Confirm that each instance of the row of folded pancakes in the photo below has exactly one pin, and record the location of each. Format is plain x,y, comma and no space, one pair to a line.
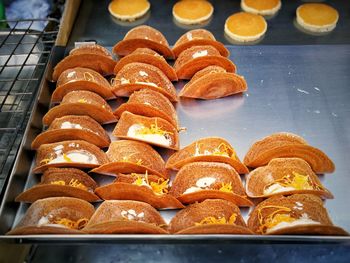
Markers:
142,173
207,174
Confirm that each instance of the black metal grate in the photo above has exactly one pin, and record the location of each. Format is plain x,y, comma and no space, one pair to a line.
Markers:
24,53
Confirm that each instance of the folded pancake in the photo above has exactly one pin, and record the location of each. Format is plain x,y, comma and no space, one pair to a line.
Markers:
198,181
298,214
135,76
213,82
212,216
152,130
284,176
128,156
198,37
81,79
285,144
144,187
57,182
81,102
147,56
75,153
126,217
149,103
90,56
211,149
54,215
195,58
72,127
143,37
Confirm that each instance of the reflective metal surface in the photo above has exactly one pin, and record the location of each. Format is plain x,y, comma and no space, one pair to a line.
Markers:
299,89
95,23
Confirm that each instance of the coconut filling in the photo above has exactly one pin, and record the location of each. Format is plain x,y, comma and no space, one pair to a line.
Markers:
303,220
157,136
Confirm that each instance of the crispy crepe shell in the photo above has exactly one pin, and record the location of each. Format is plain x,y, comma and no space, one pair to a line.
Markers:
198,37
149,103
91,132
210,83
81,102
53,208
46,189
184,222
189,174
148,56
93,57
124,156
143,37
127,191
47,152
187,155
128,119
285,145
258,179
108,219
197,58
81,79
136,76
312,205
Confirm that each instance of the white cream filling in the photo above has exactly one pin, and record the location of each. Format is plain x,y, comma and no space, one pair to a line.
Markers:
124,81
131,214
200,53
143,73
277,188
133,132
201,184
206,152
79,156
44,221
70,125
303,220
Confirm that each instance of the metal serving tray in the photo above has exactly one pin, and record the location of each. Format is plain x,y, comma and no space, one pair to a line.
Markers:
299,89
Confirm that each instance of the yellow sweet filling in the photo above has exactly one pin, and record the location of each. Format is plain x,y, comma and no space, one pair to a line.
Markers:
73,182
46,161
227,188
82,101
281,214
126,159
160,187
221,150
67,159
296,181
154,129
213,220
79,224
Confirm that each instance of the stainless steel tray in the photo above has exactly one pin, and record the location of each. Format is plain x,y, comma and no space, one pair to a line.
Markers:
300,89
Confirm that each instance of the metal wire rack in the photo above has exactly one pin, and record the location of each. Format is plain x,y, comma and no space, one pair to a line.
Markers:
24,53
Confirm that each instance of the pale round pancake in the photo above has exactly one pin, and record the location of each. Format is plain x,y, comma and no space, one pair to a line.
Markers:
192,12
316,17
245,27
128,10
261,7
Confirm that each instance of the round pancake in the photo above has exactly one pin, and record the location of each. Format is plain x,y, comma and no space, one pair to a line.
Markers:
245,27
317,17
128,10
261,7
192,11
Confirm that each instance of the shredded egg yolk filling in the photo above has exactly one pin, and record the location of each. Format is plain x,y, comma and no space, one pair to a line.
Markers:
126,159
297,181
281,214
46,161
79,224
160,187
82,101
154,129
73,182
213,220
221,150
227,188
